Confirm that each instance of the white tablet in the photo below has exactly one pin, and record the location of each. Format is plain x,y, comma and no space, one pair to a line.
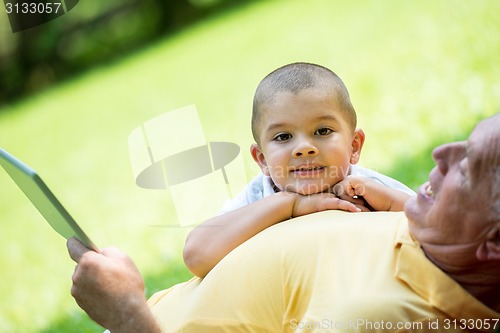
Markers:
42,198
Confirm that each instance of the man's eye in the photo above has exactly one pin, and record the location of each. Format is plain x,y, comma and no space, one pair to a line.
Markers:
282,137
324,131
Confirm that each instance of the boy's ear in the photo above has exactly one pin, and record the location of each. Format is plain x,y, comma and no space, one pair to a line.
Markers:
490,248
357,144
259,157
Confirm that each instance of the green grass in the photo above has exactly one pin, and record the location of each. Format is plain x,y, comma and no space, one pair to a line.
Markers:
419,74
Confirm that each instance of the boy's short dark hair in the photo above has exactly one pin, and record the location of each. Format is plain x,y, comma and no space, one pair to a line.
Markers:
296,77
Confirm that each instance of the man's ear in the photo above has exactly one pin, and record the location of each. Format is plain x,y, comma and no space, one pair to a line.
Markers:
259,157
490,248
357,144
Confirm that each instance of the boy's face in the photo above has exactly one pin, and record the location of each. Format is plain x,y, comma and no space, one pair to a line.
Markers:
306,144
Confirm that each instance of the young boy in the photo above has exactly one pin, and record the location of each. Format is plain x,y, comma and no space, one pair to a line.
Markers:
304,126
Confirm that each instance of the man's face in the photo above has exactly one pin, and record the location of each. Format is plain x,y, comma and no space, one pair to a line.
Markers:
306,145
451,212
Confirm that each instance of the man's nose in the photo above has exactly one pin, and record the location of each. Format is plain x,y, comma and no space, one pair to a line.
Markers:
305,148
448,154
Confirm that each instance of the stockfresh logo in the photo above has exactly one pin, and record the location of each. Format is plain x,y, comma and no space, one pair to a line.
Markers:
25,14
170,152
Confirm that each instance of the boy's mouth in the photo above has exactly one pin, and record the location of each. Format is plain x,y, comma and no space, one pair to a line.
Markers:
308,170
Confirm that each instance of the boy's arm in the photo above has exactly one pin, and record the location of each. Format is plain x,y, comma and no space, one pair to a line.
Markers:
376,195
212,240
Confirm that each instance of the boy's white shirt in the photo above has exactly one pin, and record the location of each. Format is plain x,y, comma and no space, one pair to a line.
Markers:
261,186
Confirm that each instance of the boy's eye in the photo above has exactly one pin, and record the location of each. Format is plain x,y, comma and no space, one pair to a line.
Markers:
282,137
323,131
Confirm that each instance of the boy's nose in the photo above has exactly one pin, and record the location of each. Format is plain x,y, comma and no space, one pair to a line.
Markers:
305,149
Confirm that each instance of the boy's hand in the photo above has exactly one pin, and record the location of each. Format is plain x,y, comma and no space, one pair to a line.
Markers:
351,187
307,204
375,195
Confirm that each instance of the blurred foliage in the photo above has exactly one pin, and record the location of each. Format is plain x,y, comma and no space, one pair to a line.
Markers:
93,33
419,74
414,168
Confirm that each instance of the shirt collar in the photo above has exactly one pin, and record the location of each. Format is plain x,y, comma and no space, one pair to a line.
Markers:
432,284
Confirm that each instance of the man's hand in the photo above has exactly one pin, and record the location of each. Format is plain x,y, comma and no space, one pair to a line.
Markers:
307,204
108,286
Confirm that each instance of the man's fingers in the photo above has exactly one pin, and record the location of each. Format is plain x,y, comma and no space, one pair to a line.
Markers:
76,249
113,252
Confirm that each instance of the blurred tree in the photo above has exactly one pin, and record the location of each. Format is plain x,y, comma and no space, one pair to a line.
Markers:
94,32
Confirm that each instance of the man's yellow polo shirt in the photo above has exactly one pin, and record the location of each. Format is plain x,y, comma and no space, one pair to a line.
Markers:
326,272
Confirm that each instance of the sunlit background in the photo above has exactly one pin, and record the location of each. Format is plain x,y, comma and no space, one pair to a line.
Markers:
420,73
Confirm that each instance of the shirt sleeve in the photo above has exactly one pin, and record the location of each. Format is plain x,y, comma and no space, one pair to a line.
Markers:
258,188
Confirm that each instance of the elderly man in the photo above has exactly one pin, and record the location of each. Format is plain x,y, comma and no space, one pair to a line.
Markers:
434,268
